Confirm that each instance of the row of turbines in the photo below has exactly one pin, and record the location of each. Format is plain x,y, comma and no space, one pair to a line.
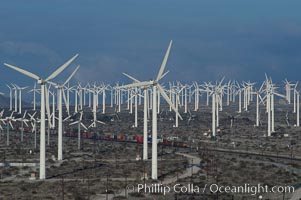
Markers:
54,95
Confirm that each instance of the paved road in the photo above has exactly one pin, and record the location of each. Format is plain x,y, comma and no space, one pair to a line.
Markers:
187,173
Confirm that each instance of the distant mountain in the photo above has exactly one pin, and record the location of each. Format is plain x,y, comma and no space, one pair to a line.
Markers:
4,102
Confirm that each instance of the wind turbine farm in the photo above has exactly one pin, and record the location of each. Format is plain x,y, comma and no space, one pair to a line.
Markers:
204,124
133,106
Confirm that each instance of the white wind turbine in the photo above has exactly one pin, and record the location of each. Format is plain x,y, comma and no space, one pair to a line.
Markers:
85,92
134,94
75,99
270,92
33,122
239,90
155,85
16,96
95,92
8,121
68,90
34,90
79,124
10,98
187,87
145,112
177,92
42,83
197,96
103,91
216,92
295,97
258,97
52,93
60,93
20,96
112,95
80,90
2,120
23,121
288,89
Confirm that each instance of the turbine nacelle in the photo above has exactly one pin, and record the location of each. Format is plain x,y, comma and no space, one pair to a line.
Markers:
40,82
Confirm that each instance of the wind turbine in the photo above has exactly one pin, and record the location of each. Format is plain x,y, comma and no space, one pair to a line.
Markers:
288,89
104,88
20,96
239,97
145,107
16,96
42,83
33,122
34,90
295,97
95,92
23,121
2,120
79,124
60,93
177,91
130,99
216,92
8,121
155,85
270,92
10,98
258,97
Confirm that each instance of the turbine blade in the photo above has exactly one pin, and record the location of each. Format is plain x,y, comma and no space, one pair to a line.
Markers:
168,100
130,77
92,125
66,102
27,73
279,95
83,126
11,125
69,78
140,84
164,74
100,122
24,114
164,62
66,118
61,68
76,122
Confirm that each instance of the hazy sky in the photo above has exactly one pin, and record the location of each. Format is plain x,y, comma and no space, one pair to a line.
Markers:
211,38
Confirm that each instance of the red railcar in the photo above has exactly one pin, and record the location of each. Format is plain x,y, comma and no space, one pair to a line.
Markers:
139,139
